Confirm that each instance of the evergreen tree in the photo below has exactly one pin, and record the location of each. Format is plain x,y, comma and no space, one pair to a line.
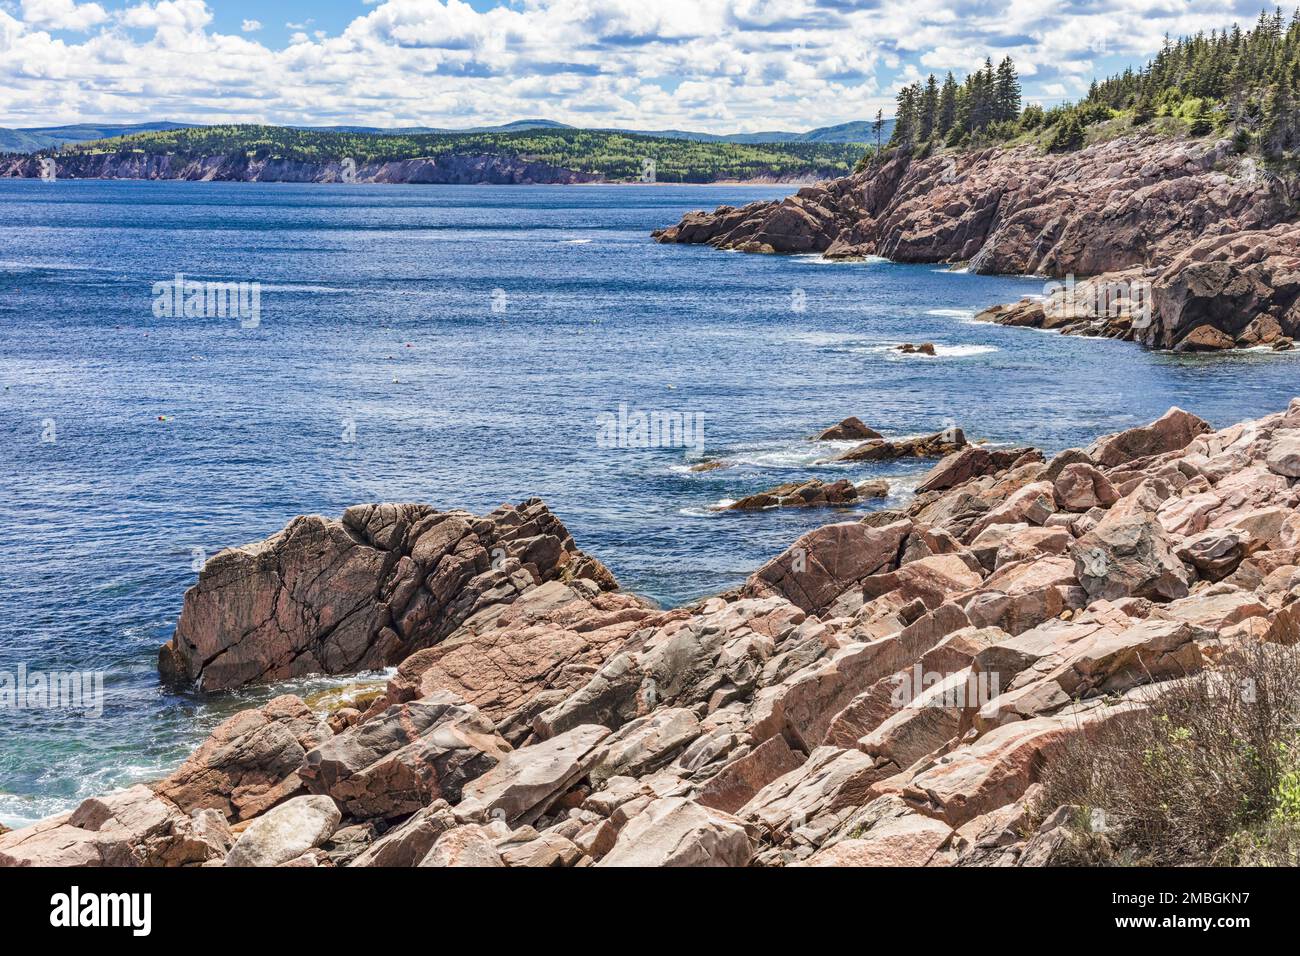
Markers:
928,110
1006,94
1203,121
1068,135
905,122
1280,122
1144,111
947,105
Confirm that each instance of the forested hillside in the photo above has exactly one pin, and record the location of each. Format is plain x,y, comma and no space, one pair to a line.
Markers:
1242,84
614,156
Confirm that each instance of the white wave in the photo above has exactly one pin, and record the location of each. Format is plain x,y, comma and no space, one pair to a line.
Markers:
817,259
965,351
575,242
952,313
10,265
695,511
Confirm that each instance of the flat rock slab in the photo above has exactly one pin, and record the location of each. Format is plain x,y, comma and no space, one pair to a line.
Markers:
676,831
521,787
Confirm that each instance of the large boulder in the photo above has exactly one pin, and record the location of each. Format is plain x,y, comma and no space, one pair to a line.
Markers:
908,840
467,846
250,761
1229,290
1081,487
408,843
1172,431
812,493
825,563
1129,553
334,597
132,827
513,660
286,832
957,468
851,429
523,785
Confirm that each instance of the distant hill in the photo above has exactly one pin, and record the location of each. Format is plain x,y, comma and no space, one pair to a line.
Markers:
515,127
859,131
549,153
31,139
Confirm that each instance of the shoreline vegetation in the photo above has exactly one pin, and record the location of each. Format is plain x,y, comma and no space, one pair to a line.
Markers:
941,684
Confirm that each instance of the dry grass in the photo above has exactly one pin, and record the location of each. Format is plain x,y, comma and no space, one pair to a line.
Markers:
1209,773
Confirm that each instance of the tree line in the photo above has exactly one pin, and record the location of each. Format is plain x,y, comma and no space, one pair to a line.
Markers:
985,106
1241,83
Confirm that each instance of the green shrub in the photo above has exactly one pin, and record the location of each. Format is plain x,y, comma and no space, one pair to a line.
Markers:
1068,135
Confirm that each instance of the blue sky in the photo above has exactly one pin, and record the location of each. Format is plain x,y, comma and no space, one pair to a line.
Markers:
712,65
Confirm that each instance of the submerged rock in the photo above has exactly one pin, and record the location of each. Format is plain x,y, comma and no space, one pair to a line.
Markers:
812,493
851,429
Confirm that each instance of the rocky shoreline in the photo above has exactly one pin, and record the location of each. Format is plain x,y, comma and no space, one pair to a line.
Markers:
450,170
1186,244
541,716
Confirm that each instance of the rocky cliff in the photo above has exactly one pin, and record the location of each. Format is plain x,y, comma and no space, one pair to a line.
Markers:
889,690
1204,241
445,170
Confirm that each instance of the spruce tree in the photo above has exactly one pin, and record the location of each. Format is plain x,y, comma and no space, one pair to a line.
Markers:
1068,135
905,122
947,105
1006,95
1203,119
928,111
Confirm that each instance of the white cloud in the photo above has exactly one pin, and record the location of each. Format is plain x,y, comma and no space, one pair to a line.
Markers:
62,14
186,15
720,65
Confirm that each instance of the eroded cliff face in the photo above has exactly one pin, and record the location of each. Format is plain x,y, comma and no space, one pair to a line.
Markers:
1205,239
444,170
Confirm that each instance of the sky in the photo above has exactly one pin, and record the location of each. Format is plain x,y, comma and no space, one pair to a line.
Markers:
709,65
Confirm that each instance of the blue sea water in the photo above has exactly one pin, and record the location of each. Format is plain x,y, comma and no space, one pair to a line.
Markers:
453,345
